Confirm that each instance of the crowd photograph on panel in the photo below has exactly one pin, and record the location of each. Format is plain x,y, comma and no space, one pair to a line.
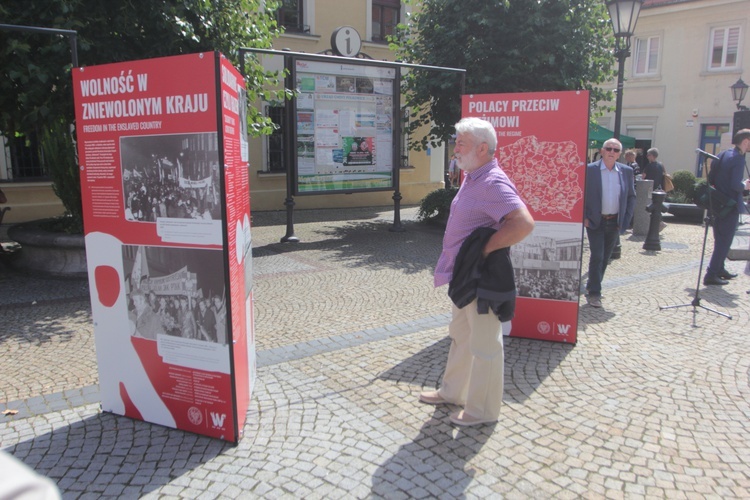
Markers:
171,176
546,266
173,291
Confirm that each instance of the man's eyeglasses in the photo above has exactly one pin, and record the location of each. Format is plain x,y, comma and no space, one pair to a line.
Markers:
616,150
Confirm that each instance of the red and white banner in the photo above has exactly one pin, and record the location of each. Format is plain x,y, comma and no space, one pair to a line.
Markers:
542,145
160,239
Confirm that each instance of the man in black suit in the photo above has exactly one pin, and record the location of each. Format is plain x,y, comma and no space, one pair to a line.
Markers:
726,176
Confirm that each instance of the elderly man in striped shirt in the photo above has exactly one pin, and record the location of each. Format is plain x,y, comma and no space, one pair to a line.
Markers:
487,198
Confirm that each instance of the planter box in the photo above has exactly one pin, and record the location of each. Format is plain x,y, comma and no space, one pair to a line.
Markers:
686,211
46,252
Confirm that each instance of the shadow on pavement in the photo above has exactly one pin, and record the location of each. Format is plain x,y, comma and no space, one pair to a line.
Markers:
47,323
527,364
105,453
433,464
279,217
370,245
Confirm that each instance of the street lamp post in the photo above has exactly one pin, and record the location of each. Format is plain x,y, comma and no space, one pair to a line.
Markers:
739,91
742,115
623,14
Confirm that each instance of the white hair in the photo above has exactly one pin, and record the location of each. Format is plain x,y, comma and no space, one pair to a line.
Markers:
480,129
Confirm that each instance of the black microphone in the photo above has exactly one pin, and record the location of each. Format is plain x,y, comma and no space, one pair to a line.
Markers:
700,151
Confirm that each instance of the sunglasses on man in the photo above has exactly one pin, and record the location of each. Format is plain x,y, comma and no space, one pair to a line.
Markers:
616,150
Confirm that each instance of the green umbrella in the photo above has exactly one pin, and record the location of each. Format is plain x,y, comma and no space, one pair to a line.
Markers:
599,134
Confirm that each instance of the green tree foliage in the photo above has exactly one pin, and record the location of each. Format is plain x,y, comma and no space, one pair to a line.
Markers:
505,46
35,83
59,148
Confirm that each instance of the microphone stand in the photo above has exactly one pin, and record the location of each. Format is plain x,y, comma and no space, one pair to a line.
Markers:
696,302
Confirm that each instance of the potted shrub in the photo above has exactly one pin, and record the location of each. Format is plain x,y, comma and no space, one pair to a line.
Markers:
436,206
680,201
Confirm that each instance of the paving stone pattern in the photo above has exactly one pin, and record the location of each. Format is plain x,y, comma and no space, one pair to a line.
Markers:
649,403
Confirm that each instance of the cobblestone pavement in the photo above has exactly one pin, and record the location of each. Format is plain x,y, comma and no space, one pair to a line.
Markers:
648,403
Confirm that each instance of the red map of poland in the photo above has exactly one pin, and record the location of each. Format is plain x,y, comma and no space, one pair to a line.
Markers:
544,174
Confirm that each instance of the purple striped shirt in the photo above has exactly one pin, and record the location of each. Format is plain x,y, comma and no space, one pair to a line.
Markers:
485,197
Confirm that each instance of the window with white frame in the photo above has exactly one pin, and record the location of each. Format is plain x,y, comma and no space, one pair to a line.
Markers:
646,56
725,42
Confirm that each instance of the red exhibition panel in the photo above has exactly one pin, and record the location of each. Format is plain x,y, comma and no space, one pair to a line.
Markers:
236,190
542,146
155,146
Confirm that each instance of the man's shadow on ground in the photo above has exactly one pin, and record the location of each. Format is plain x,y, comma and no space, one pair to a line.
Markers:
434,463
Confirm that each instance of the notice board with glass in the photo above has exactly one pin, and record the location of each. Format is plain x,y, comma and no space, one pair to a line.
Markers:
344,130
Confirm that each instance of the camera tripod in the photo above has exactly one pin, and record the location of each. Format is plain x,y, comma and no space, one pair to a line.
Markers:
696,302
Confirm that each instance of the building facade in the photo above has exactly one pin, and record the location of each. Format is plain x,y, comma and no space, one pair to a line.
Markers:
309,25
685,55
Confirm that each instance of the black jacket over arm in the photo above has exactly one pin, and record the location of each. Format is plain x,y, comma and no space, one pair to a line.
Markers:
489,280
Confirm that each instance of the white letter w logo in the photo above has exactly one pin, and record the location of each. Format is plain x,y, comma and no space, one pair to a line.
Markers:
218,420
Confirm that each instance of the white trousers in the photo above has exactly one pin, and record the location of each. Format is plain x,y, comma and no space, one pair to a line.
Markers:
474,374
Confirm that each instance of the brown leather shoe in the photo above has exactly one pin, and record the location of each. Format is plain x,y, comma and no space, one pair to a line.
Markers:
465,420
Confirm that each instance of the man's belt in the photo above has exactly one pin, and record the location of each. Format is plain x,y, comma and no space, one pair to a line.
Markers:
609,216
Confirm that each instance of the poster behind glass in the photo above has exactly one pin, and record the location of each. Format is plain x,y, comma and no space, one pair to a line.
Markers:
344,127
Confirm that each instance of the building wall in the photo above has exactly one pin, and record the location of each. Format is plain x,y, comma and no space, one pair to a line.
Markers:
30,201
27,200
670,107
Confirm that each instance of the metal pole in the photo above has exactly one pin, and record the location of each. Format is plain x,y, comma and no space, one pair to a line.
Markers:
622,54
71,34
73,39
397,226
289,147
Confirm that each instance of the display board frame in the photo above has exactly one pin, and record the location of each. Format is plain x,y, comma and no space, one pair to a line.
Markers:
345,116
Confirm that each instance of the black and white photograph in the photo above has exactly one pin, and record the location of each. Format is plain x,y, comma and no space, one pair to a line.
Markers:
175,291
547,264
171,176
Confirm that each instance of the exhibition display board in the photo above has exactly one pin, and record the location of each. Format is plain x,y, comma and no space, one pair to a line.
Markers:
163,154
542,146
344,115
